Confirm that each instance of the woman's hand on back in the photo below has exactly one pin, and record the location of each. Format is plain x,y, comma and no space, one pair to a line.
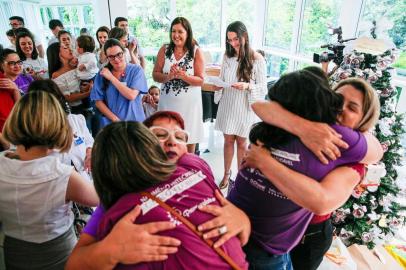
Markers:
322,140
234,219
134,243
256,156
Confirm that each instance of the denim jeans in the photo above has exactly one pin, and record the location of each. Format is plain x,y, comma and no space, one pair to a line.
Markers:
259,259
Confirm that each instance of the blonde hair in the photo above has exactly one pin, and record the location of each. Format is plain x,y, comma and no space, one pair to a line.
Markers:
370,105
38,119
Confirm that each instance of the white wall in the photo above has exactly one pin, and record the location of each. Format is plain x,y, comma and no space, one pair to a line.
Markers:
118,8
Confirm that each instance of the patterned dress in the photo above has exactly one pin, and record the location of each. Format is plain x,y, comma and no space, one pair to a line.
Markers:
235,116
179,96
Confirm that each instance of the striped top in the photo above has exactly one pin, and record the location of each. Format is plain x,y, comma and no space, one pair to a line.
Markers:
235,116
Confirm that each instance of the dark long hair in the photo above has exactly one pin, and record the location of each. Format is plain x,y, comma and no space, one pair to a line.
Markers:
245,55
54,61
190,42
126,158
51,87
302,93
34,54
102,29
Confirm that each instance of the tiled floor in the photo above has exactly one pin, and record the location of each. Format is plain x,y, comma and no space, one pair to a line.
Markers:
211,150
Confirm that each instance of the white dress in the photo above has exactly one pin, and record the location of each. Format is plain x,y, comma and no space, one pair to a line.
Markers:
234,115
178,96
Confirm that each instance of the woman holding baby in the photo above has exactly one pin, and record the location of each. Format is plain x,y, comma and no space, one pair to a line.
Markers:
179,68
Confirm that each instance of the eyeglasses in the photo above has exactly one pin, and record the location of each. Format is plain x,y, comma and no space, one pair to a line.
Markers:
15,24
233,40
180,136
13,63
118,56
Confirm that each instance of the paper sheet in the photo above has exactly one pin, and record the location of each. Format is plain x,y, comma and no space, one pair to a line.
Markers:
217,81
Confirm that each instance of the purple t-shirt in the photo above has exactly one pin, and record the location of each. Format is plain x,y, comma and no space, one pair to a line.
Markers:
23,81
191,185
126,110
278,223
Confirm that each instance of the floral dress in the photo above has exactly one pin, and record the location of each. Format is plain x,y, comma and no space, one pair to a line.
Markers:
179,96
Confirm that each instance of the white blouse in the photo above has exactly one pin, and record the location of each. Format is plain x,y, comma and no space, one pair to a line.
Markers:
32,198
69,83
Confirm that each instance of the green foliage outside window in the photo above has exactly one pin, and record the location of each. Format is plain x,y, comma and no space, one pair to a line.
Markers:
279,24
149,21
204,17
318,16
241,10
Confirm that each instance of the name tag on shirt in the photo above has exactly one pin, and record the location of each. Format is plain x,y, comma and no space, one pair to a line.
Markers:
78,140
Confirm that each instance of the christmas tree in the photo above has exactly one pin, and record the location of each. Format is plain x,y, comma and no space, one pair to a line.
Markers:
371,216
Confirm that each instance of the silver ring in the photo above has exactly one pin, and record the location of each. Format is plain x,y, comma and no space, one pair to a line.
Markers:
222,229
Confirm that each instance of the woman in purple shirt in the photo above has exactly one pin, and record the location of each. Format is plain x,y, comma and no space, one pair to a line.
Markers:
12,67
279,223
130,243
360,112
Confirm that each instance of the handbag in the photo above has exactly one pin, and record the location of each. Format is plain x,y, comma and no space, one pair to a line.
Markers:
193,228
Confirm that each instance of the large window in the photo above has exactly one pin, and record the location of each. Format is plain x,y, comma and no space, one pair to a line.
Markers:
318,16
290,31
279,24
149,22
27,10
241,10
276,65
394,12
73,18
205,18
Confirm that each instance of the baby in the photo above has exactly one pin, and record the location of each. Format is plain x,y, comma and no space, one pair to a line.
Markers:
151,106
87,62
